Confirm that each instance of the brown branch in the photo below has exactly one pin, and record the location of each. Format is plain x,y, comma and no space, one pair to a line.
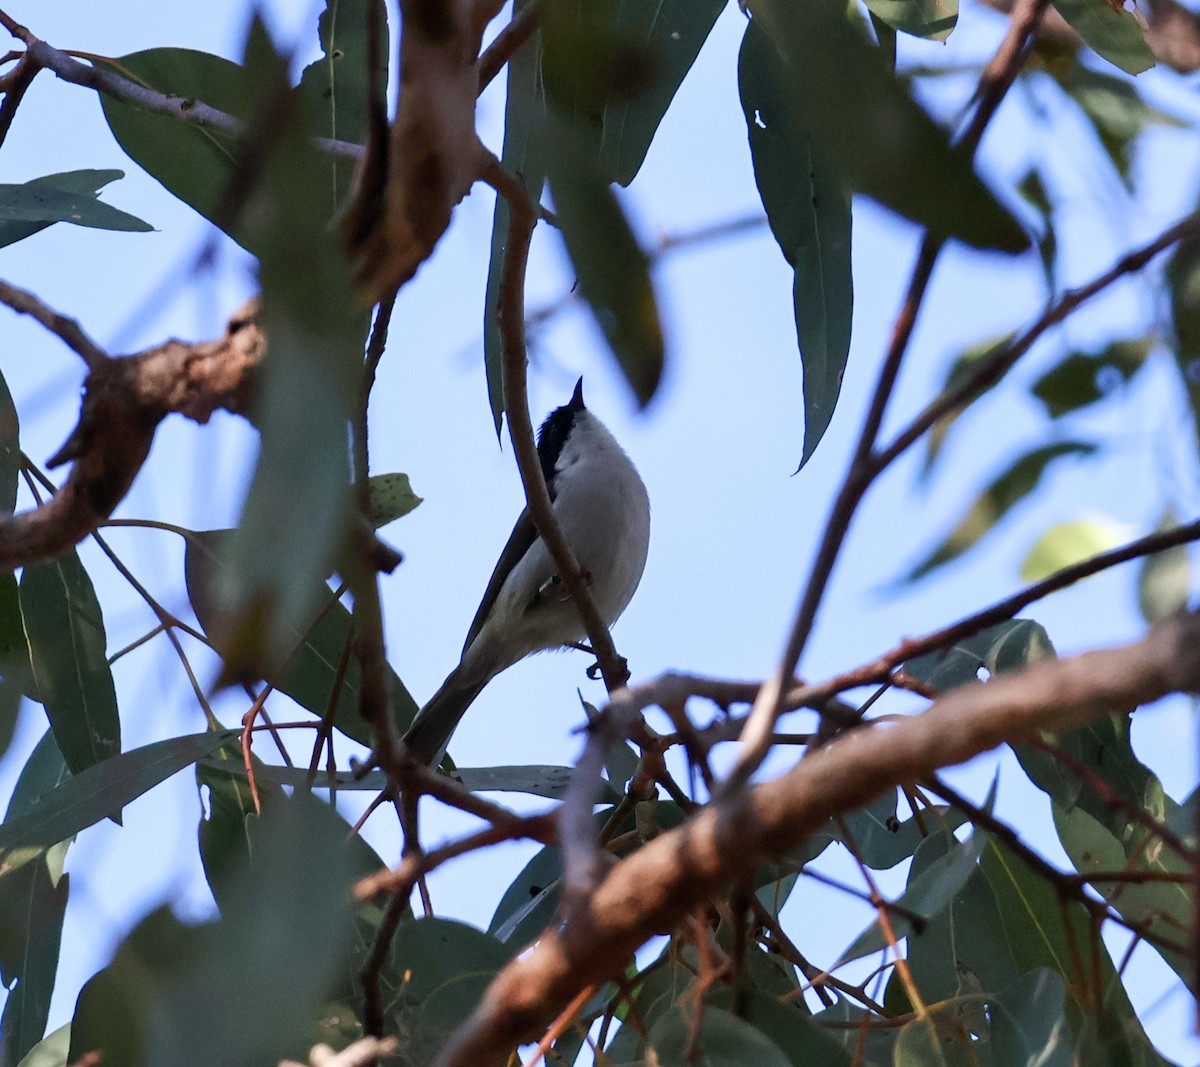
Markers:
506,44
40,55
651,890
410,185
14,85
992,369
64,327
124,401
994,84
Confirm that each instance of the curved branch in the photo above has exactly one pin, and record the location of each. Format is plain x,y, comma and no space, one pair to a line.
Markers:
124,401
649,892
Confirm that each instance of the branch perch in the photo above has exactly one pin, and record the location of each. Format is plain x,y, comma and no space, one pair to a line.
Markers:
650,891
124,401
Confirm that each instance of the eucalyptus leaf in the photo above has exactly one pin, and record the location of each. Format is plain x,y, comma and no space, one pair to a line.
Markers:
75,184
997,499
964,365
337,86
392,498
1183,281
262,972
1068,543
1079,380
1111,32
192,162
1008,645
299,501
1164,583
612,270
51,1051
68,651
927,894
864,120
808,209
720,1040
307,676
44,203
102,791
523,154
933,20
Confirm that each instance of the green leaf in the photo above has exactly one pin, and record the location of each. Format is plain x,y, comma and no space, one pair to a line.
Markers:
784,1023
931,891
337,86
867,1045
242,991
965,364
298,506
1028,1022
612,270
101,791
10,444
550,782
1069,543
432,952
864,120
43,203
195,164
529,902
1115,109
1045,931
226,810
932,19
1033,189
16,666
1162,909
669,35
1164,580
309,675
51,1051
808,208
1006,646
1001,495
722,1040
39,902
1111,32
1079,380
961,950
881,840
392,498
33,899
523,154
1113,780
75,183
68,650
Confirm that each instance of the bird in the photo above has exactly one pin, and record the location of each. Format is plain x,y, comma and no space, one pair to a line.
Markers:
603,510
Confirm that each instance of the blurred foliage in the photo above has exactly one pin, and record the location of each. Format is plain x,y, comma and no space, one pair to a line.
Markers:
987,956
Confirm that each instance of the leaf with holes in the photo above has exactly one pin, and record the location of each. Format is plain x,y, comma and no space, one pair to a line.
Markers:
808,208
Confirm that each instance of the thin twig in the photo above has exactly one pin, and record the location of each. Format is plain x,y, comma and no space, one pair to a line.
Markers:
64,327
506,44
194,112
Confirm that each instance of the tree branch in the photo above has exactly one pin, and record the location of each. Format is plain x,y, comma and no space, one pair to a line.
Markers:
124,401
652,889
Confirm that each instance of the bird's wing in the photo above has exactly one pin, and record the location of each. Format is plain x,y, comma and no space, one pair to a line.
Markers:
519,542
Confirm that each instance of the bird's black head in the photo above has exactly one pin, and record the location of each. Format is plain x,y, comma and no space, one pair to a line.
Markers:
555,431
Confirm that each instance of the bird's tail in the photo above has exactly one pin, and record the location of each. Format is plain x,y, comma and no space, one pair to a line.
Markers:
434,724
